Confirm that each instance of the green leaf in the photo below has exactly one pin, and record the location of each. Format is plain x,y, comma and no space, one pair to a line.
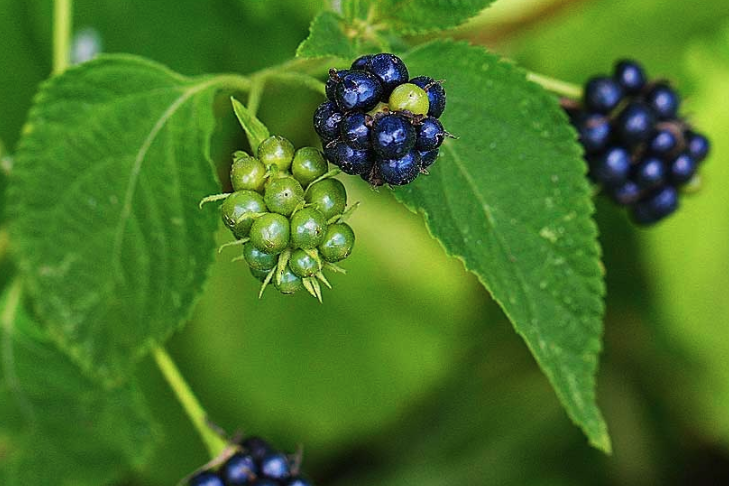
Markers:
327,38
62,427
414,17
103,203
256,131
511,200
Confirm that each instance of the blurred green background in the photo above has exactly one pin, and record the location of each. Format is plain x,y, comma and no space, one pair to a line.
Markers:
409,374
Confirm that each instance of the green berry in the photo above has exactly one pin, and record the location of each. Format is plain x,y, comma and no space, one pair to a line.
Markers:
409,97
247,174
328,196
238,205
259,274
380,108
289,282
283,195
303,264
308,228
308,165
338,243
271,233
258,259
277,151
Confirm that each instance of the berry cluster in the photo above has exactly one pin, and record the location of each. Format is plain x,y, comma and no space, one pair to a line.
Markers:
638,148
380,124
288,214
252,463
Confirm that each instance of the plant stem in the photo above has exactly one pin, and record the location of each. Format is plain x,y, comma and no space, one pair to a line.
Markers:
62,20
557,86
258,84
213,442
4,243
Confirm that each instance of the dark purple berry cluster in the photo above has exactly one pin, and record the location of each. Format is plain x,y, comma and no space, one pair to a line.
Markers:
380,124
253,463
640,151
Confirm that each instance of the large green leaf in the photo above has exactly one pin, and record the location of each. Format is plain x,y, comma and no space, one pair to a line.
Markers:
510,199
327,38
62,428
103,201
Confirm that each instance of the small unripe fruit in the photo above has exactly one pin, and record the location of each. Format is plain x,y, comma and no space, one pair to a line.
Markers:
328,196
338,243
283,195
303,264
308,227
258,259
271,233
309,164
288,284
237,206
277,151
247,174
409,97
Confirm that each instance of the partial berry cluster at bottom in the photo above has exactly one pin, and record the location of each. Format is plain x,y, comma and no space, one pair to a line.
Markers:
253,462
640,151
288,214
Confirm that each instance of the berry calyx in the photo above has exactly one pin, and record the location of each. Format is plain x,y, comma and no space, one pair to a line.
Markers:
338,243
307,228
358,90
276,151
409,97
392,136
328,196
247,173
283,195
308,165
271,233
239,209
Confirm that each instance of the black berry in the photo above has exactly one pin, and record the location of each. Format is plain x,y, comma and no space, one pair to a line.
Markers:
626,194
358,90
206,478
362,63
430,134
650,173
656,206
602,94
664,101
275,466
664,142
635,123
327,119
239,470
389,69
351,161
612,167
594,131
683,169
355,130
630,75
428,158
335,77
392,136
400,171
698,146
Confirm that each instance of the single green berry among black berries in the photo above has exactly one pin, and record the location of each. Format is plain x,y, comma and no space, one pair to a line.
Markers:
277,151
338,243
308,165
238,210
409,97
283,195
289,282
271,233
328,196
308,227
247,174
303,264
257,259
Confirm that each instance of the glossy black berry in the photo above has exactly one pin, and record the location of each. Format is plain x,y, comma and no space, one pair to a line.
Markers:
308,227
663,142
602,94
362,63
389,69
400,171
309,164
594,131
698,146
392,136
327,119
328,196
626,194
206,478
664,101
430,135
334,79
355,130
428,158
238,210
256,447
358,90
612,167
682,169
351,161
630,75
650,173
635,123
283,195
298,481
239,470
271,233
257,259
276,466
656,206
436,94
338,243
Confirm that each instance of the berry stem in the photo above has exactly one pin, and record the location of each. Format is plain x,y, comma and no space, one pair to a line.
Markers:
258,85
213,442
557,86
62,21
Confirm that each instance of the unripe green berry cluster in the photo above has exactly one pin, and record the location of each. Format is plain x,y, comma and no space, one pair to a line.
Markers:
287,212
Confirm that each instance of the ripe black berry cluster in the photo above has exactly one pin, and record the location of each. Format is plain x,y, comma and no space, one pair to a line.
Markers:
252,463
638,147
288,214
380,124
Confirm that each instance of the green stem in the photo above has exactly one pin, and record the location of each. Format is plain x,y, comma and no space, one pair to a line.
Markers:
258,85
557,86
62,20
213,442
4,243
